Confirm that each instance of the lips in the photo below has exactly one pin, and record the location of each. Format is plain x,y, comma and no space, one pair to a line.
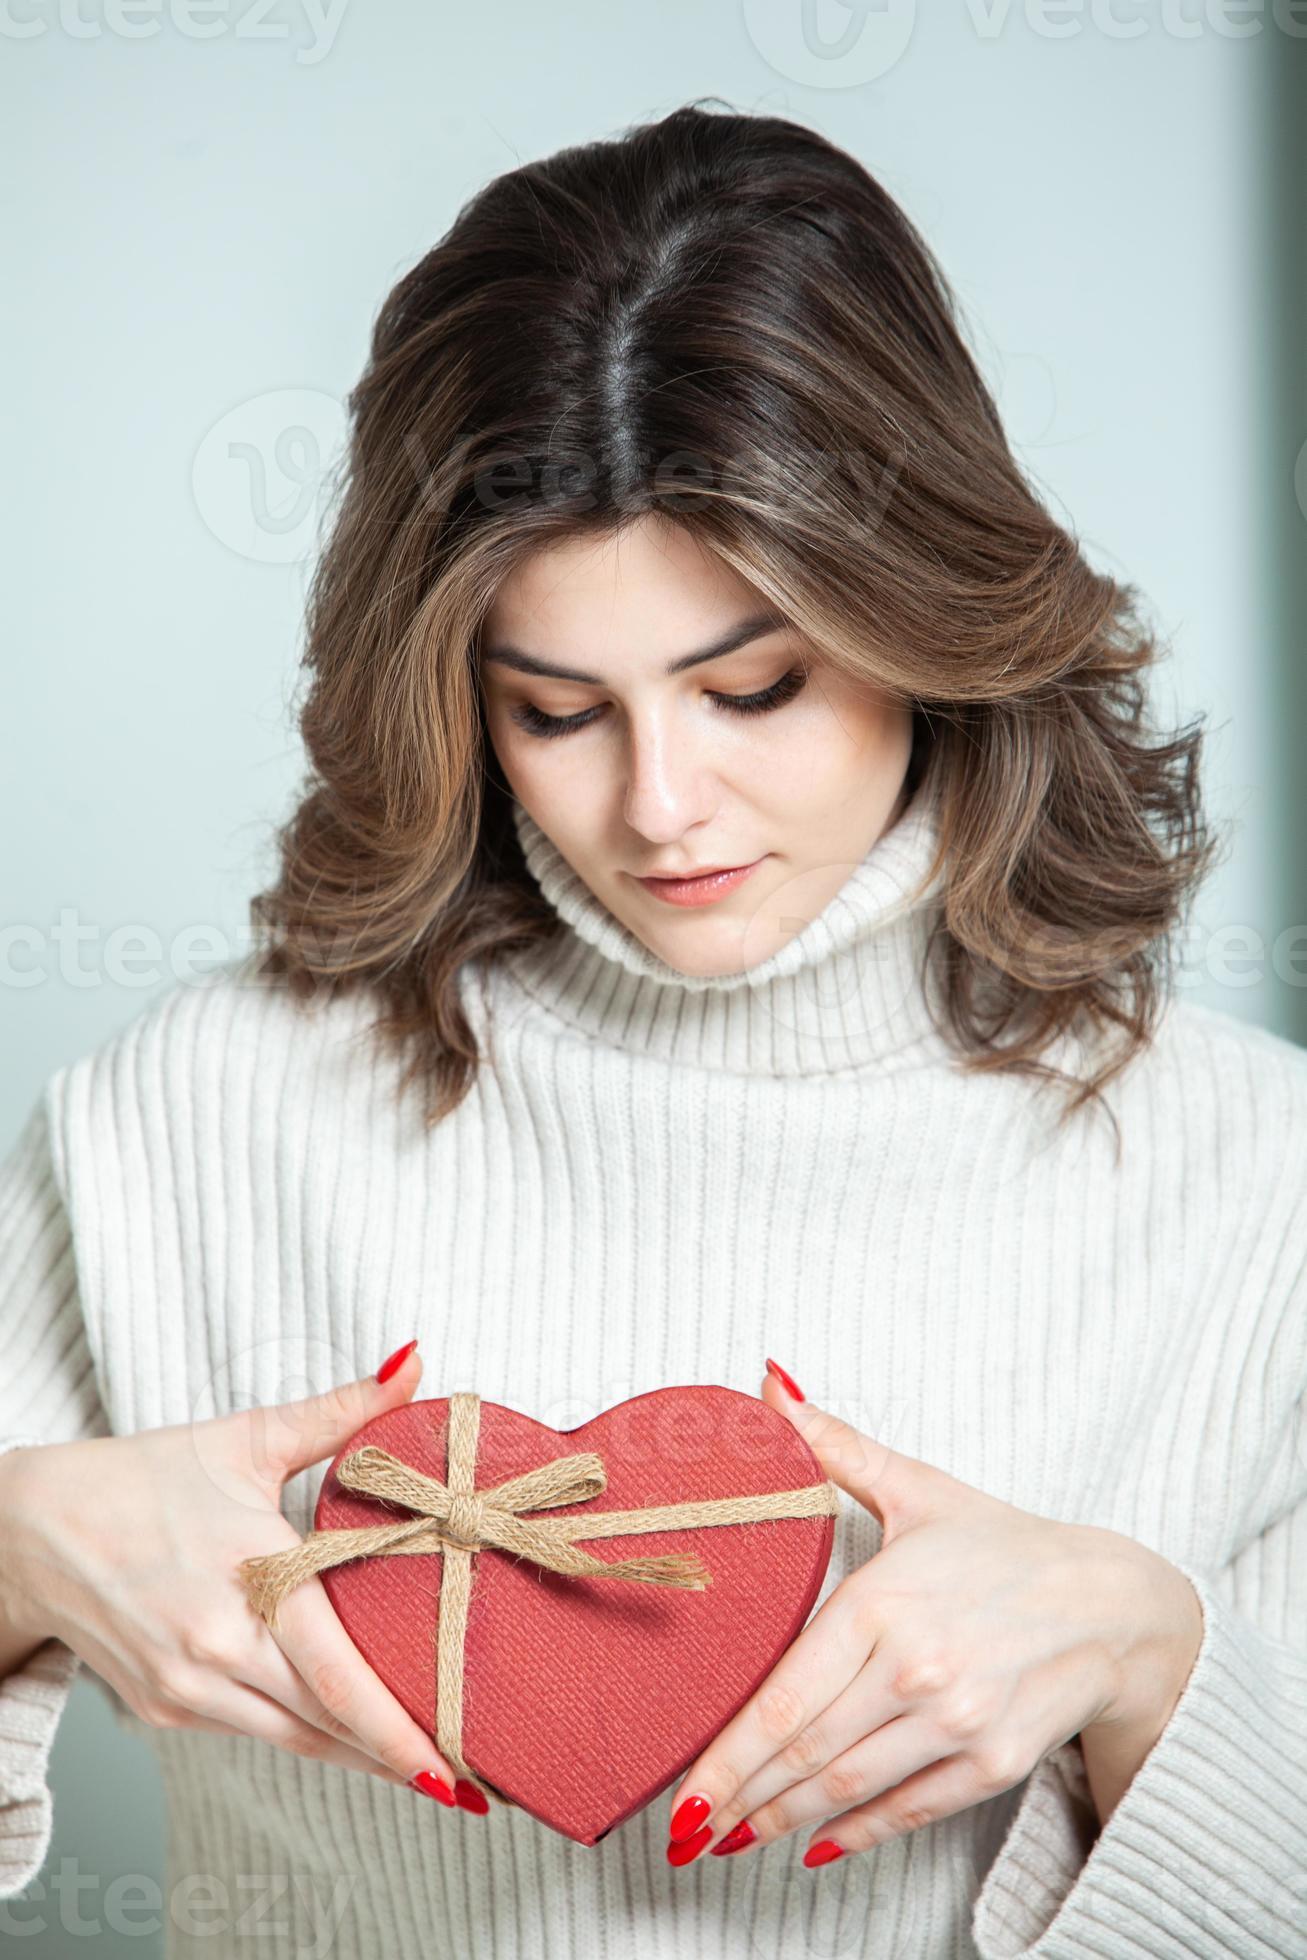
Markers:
703,889
684,877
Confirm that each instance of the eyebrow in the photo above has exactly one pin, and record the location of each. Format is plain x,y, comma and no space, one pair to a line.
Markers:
741,635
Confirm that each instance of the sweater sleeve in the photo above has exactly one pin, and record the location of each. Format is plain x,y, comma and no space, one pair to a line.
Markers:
1206,1852
48,1393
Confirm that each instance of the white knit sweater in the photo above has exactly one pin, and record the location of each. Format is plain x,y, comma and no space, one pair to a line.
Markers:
663,1180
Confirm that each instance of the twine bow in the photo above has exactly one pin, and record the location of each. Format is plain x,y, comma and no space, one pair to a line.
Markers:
458,1520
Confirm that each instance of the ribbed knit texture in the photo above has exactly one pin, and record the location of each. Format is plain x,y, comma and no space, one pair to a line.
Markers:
662,1180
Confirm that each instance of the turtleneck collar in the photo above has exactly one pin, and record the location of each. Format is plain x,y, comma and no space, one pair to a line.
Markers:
845,992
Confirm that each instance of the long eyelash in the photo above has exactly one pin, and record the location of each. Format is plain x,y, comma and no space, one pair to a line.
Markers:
537,723
774,696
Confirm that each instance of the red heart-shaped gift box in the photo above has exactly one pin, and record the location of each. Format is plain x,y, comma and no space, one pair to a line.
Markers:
583,1698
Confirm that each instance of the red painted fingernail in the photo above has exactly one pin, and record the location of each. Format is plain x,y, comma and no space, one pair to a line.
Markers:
394,1361
432,1786
470,1797
736,1839
786,1381
689,1815
822,1852
681,1854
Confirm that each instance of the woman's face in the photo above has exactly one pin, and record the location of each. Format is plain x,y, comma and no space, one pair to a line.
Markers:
658,771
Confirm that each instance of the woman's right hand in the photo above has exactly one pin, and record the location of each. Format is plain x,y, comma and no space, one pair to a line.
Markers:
127,1548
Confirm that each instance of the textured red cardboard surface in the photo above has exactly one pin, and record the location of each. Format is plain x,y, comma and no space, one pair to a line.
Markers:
584,1698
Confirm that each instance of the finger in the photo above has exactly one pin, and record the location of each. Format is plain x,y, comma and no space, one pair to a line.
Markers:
260,1715
876,1762
284,1438
270,1673
866,1706
985,1768
813,1673
234,1709
895,1488
940,1790
885,1754
338,1677
218,1698
267,1668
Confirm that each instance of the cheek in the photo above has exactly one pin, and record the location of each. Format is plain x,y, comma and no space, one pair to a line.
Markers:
563,798
855,733
543,776
807,754
834,763
528,763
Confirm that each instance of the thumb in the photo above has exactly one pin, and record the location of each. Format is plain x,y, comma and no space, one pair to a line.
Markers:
898,1490
293,1435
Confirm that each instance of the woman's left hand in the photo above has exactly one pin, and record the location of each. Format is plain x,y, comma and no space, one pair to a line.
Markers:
937,1675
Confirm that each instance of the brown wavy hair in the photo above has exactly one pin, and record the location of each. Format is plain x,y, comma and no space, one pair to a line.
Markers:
723,319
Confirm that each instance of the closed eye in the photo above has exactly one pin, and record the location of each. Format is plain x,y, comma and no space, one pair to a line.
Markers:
536,722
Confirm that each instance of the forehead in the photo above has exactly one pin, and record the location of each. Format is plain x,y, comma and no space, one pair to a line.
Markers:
650,583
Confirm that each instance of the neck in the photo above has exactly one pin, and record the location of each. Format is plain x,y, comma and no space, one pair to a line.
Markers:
846,991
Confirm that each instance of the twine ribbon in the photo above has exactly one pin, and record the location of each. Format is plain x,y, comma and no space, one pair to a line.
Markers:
456,1519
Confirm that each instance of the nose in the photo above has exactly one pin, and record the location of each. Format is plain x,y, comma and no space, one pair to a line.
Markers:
670,785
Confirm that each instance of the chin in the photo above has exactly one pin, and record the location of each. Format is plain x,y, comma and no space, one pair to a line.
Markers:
705,962
706,969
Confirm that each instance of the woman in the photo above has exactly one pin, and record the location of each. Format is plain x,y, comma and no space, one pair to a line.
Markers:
680,537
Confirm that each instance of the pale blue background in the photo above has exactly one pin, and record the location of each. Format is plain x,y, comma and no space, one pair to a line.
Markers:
204,232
